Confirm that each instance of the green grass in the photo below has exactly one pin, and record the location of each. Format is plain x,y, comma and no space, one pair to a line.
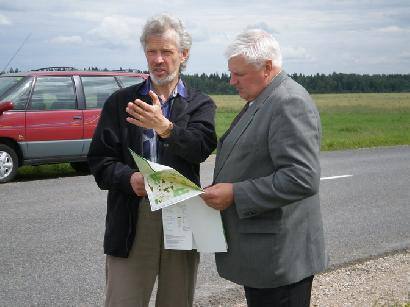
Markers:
348,121
29,172
228,107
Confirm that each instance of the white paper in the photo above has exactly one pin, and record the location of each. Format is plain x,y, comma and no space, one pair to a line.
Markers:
206,225
177,229
188,222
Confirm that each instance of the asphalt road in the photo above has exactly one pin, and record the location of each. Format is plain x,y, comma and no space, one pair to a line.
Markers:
51,230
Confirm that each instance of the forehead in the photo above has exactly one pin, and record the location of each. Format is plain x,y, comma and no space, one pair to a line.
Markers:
166,40
239,63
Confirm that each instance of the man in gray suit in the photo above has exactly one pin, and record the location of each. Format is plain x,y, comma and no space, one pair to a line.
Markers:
266,180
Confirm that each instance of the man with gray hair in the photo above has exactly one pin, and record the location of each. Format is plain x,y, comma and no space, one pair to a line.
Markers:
266,180
167,122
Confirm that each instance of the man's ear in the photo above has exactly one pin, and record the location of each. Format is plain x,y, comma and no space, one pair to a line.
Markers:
184,55
268,67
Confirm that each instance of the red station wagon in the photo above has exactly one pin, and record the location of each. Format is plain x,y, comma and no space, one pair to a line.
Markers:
49,116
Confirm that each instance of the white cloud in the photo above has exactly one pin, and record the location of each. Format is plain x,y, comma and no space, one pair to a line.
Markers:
74,39
200,35
393,29
88,16
115,32
316,36
263,26
402,59
4,21
198,32
405,56
296,54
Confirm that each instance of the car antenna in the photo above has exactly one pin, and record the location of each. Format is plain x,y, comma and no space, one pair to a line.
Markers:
15,53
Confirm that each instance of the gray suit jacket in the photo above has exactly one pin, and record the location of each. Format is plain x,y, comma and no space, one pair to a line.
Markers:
274,228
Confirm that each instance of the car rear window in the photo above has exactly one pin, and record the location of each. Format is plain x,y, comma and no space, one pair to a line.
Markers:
97,90
53,93
7,83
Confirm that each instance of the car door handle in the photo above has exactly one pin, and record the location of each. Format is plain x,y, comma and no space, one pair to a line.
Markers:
77,117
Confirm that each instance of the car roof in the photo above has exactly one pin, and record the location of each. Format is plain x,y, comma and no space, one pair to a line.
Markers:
75,72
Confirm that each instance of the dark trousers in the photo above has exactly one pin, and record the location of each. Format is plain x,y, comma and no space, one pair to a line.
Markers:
293,295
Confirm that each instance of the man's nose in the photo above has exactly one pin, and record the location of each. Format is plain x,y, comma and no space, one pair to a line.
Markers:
232,80
158,58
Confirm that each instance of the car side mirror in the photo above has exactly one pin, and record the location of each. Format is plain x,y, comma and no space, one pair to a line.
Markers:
5,106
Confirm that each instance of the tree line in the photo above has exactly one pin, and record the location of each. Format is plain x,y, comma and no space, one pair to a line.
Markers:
215,84
218,84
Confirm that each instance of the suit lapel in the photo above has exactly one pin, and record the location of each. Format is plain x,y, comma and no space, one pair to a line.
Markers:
225,149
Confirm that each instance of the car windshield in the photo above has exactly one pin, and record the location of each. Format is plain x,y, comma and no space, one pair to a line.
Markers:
7,83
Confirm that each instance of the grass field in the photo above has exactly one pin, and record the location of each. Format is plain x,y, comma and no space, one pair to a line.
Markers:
348,121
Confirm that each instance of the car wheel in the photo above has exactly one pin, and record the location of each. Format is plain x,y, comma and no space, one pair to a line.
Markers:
8,163
80,167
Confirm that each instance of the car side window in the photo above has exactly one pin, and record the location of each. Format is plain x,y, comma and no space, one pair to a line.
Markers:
19,95
53,93
128,81
97,90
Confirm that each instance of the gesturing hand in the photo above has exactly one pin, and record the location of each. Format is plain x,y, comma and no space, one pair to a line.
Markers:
147,116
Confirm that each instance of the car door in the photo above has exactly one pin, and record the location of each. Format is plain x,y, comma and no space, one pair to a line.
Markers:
12,123
54,125
96,91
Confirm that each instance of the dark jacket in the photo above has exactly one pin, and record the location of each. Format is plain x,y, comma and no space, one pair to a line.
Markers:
192,140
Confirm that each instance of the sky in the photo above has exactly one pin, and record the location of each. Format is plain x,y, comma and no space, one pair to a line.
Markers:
316,36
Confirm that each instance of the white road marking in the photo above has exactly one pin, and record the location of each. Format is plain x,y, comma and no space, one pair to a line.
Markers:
335,177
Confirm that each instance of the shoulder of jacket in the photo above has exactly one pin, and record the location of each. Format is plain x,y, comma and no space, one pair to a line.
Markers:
130,90
195,94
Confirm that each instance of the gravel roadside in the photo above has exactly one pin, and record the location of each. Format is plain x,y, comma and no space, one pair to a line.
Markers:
383,281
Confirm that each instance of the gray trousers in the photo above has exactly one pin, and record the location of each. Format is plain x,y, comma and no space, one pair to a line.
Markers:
130,280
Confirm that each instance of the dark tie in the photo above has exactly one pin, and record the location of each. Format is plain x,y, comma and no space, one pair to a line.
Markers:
234,122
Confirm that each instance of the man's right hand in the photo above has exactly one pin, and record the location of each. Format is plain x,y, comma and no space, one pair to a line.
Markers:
137,183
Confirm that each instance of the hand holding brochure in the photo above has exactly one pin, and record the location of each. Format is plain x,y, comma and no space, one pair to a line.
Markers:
164,185
188,222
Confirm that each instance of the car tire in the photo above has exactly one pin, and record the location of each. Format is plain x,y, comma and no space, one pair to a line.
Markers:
8,163
80,167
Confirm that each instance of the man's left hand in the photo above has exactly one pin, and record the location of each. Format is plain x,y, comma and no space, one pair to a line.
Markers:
147,116
219,196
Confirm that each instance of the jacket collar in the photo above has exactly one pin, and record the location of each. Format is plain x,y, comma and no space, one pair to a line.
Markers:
276,81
